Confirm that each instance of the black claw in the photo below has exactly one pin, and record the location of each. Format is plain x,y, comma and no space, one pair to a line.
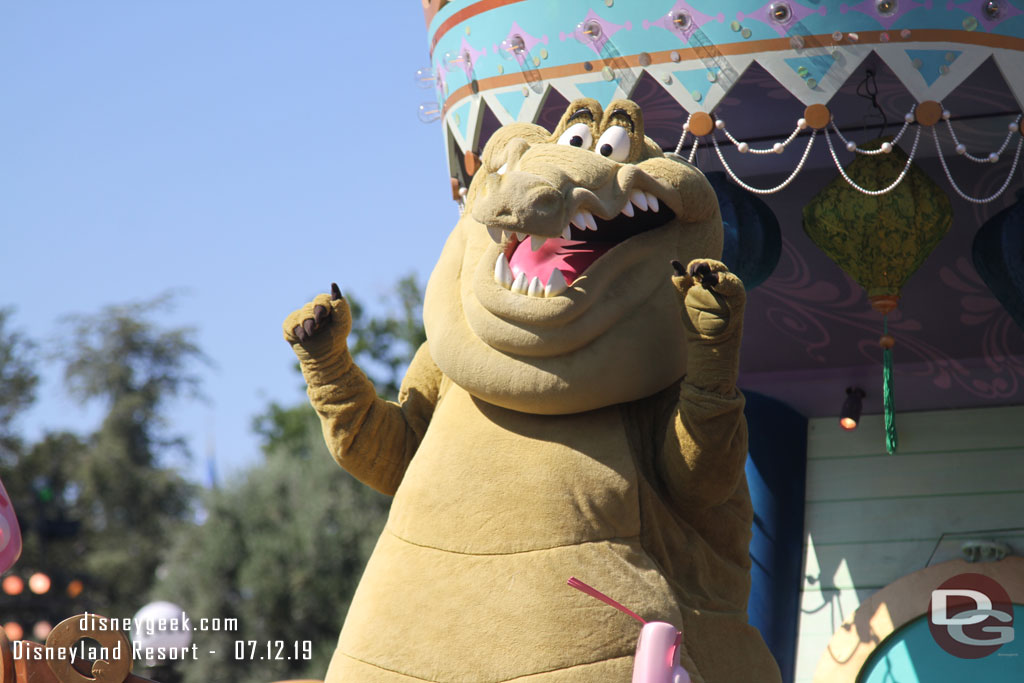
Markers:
678,267
299,333
699,270
335,292
309,326
702,273
319,314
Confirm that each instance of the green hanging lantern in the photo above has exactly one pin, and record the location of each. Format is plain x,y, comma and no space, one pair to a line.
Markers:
880,240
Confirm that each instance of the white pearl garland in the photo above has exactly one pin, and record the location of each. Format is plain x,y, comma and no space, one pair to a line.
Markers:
956,188
774,149
875,193
682,138
885,148
852,146
770,190
961,149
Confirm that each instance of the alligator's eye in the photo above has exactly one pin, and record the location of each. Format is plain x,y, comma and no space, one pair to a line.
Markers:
614,144
577,135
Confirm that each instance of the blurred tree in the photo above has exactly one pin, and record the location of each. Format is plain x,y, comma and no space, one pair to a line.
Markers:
17,383
389,342
128,498
41,480
95,511
281,550
283,546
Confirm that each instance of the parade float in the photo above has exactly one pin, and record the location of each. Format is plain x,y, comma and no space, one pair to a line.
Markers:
868,155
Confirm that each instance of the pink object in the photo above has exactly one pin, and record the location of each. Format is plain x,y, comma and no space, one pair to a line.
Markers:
657,655
10,532
594,593
657,650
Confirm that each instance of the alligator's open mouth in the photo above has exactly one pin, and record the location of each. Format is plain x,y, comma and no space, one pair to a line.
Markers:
539,267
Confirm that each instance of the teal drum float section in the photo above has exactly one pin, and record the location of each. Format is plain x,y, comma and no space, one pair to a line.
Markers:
911,655
504,58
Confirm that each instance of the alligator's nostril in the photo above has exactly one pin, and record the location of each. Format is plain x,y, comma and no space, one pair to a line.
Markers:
547,201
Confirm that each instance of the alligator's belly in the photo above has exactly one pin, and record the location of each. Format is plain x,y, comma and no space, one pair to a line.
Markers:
496,512
490,480
434,615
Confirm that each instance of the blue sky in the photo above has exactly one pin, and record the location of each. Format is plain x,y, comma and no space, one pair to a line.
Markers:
243,152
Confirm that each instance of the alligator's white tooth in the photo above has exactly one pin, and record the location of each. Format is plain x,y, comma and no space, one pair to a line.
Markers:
578,221
556,283
502,273
628,209
520,285
652,201
521,236
504,167
588,218
639,199
495,234
567,233
536,288
537,242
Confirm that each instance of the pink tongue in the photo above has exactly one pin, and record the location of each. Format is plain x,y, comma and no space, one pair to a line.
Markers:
569,256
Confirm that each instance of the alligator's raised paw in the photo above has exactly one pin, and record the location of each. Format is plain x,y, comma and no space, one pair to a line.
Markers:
711,296
325,312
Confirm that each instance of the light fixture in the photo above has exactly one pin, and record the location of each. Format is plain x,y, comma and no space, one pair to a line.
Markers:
779,12
41,630
39,583
849,416
681,19
13,630
13,585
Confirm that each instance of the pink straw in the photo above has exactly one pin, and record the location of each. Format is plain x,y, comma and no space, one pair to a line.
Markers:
593,592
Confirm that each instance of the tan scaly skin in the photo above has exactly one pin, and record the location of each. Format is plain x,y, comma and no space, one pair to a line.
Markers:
539,437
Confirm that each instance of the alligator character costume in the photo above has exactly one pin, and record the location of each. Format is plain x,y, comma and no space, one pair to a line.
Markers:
573,412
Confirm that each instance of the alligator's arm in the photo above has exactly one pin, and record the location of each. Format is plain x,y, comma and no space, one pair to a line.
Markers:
705,448
372,438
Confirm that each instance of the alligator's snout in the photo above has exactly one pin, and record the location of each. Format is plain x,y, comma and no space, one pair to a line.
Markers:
520,202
